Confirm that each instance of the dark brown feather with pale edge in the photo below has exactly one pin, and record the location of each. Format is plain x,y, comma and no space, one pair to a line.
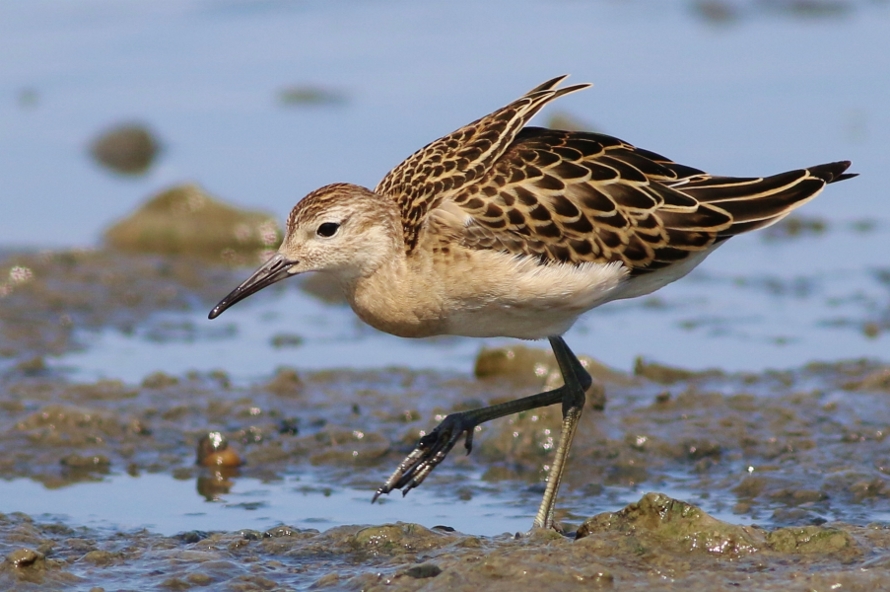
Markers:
444,167
574,197
579,197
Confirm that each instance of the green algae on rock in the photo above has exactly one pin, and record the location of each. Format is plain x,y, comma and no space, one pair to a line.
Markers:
660,520
405,556
185,220
812,540
668,525
400,538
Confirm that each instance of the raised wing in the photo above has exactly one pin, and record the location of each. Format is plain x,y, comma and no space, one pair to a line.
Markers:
448,165
575,197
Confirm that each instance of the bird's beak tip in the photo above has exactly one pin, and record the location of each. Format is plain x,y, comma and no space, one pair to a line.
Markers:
273,270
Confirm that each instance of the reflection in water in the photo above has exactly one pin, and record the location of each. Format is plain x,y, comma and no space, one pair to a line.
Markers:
213,483
221,463
168,505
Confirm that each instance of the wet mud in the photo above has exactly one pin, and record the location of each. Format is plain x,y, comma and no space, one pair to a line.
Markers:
795,463
658,543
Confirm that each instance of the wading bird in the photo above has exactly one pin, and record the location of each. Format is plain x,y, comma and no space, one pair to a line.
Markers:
499,229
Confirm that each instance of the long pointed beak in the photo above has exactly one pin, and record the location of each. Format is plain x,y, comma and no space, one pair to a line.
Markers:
273,270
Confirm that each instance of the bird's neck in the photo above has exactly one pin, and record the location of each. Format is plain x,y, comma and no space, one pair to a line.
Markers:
395,298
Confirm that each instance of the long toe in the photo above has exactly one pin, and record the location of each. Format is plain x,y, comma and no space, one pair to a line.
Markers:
431,450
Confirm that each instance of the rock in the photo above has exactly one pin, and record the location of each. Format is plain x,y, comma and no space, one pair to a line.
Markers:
669,375
716,11
423,571
323,287
399,539
811,539
877,380
660,520
286,383
27,559
98,462
159,380
669,525
127,148
213,451
283,340
186,220
536,366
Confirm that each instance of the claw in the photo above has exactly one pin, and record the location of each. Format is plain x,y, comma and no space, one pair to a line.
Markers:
431,450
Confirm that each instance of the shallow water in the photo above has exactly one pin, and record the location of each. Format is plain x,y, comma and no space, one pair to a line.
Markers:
169,506
734,317
733,87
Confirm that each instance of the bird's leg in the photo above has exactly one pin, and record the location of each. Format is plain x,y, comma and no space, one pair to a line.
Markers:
577,381
433,447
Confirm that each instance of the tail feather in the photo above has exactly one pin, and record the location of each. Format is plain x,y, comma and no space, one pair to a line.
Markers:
769,205
759,202
833,171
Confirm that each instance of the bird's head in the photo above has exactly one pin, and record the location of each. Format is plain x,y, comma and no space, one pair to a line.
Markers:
342,229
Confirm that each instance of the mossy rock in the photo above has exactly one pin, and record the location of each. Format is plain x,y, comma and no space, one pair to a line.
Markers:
658,520
185,220
810,539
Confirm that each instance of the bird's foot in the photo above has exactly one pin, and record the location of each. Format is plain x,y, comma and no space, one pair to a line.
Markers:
431,450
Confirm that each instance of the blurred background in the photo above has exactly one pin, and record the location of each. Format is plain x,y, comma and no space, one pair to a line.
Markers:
261,101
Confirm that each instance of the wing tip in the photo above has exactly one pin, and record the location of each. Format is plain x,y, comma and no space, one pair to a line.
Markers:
832,172
550,86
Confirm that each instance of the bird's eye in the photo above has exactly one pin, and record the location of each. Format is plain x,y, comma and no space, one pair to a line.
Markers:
328,229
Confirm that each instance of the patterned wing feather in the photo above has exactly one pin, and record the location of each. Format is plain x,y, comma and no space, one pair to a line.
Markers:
576,197
446,166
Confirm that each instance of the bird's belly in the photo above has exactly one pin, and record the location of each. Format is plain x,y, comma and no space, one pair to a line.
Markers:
494,295
510,321
532,302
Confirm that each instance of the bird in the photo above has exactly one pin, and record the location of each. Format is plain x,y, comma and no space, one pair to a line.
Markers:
501,229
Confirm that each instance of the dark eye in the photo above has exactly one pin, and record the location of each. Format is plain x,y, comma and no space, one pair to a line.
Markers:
328,229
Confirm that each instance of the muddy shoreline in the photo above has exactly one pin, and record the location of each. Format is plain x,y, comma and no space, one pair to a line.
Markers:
801,455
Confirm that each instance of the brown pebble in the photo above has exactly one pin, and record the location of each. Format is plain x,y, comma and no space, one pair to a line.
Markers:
213,451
